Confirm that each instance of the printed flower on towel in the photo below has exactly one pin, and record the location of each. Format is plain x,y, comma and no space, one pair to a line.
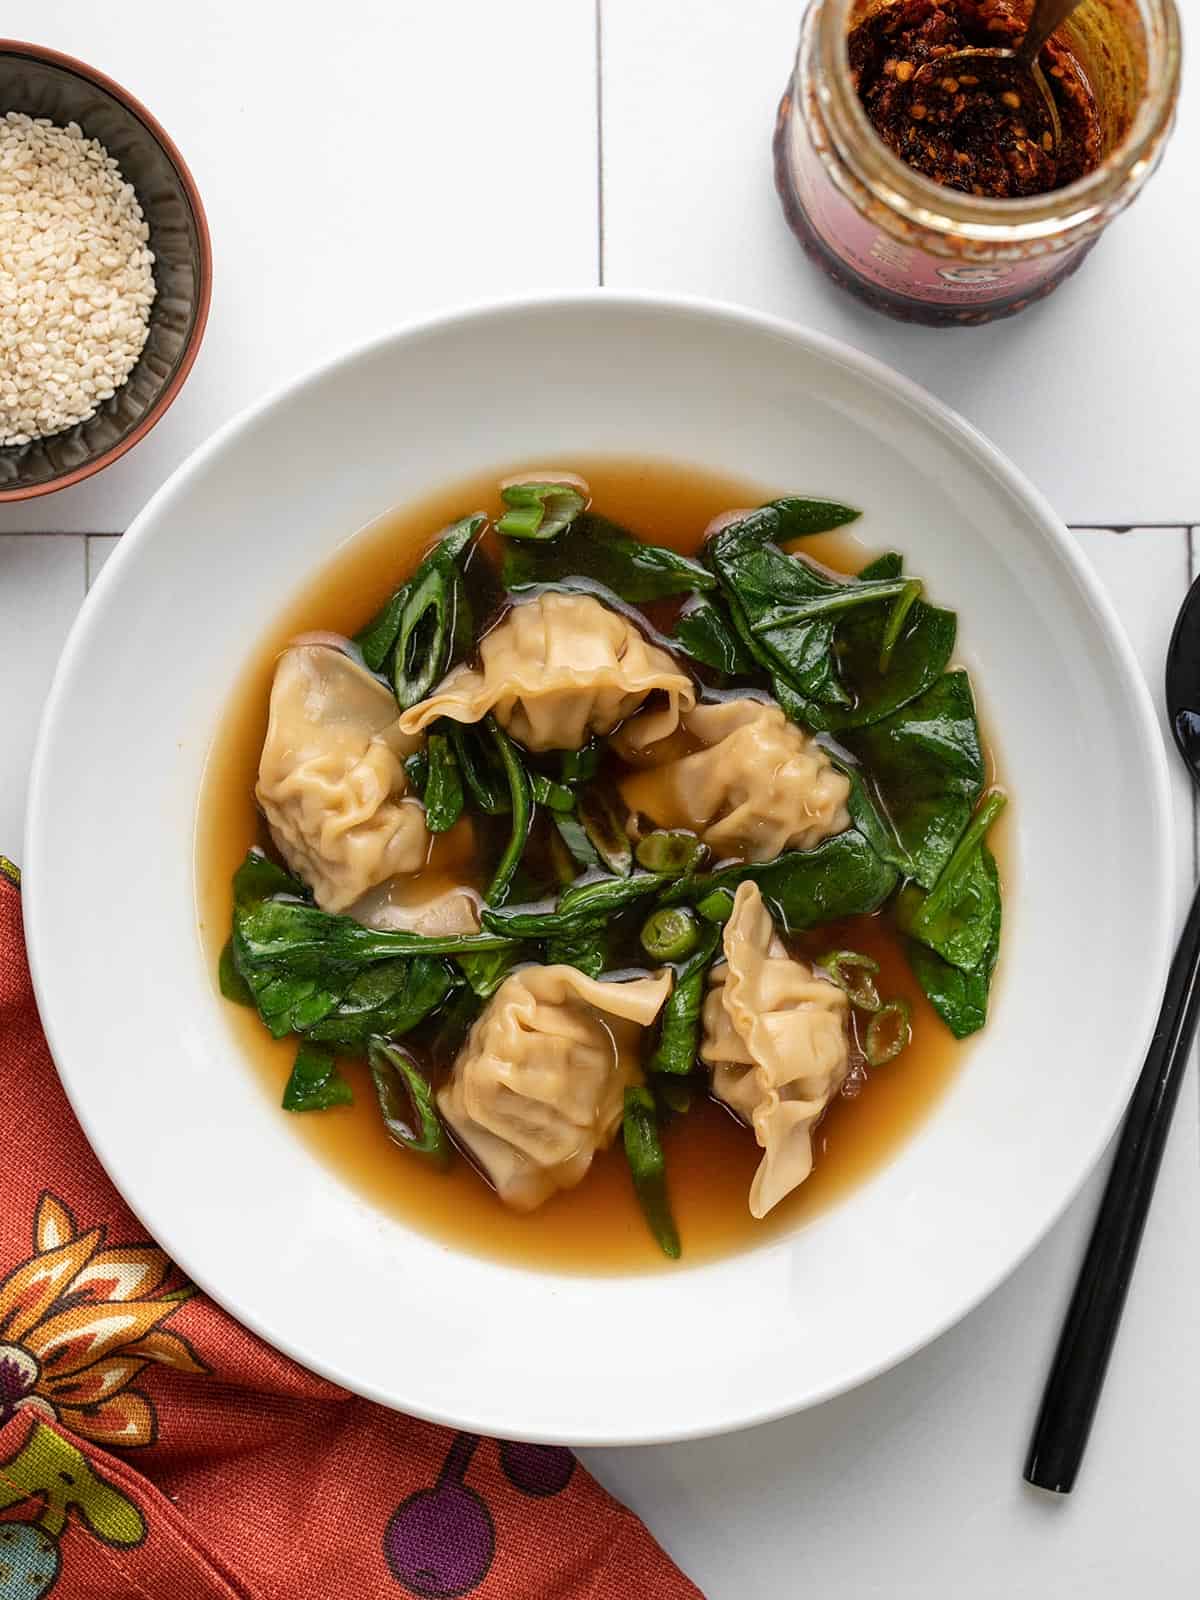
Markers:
78,1322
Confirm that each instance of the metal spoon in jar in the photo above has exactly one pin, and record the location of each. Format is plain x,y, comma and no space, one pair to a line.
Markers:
1006,63
1090,1330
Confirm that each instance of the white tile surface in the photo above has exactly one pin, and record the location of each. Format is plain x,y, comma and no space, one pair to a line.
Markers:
912,1485
1094,393
41,587
359,169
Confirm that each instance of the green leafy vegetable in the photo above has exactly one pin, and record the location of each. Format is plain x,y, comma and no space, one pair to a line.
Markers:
703,633
670,934
841,877
644,1151
416,770
233,986
481,768
954,928
897,617
539,510
605,830
554,796
926,767
582,765
388,999
443,787
315,1083
425,624
284,936
405,1098
597,549
883,682
485,973
679,1031
843,596
520,800
587,950
580,909
575,836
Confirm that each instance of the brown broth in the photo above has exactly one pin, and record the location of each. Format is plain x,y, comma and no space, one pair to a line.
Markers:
711,1157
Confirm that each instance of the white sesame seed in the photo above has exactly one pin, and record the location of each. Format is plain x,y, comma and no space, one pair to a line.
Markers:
75,277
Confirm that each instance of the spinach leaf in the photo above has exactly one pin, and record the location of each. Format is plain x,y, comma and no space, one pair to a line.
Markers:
605,829
757,578
588,950
575,836
443,785
703,633
258,878
795,516
679,1033
960,998
486,973
593,547
232,985
554,796
481,767
426,624
580,909
388,999
916,661
284,937
954,928
842,877
315,1083
925,765
520,803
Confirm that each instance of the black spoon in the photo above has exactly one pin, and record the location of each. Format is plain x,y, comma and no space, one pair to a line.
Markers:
1077,1376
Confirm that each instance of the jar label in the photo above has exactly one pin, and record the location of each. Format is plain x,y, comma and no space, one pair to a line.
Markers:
892,265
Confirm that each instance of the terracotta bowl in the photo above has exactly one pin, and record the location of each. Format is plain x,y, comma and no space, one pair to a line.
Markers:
44,83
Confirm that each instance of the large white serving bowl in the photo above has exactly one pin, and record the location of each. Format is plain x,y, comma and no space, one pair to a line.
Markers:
180,1121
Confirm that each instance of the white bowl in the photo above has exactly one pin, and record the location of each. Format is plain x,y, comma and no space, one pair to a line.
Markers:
180,1121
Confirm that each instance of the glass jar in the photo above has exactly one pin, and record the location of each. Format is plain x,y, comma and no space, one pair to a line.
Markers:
924,253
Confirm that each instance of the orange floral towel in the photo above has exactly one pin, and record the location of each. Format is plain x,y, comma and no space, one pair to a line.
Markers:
151,1447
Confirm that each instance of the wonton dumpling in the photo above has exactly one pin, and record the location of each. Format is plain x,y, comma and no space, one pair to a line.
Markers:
757,786
557,670
776,1038
439,900
331,779
539,1085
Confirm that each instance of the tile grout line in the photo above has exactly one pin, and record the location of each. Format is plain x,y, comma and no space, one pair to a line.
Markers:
599,143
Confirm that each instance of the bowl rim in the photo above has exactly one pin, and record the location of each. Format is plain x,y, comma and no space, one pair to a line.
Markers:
899,387
166,396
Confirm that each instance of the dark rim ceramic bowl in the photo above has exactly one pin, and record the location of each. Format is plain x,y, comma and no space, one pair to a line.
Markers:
44,83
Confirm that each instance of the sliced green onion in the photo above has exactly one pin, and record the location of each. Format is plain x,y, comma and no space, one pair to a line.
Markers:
315,1083
897,617
539,510
855,974
571,834
405,1097
670,934
675,1050
888,1032
671,850
443,787
378,639
233,986
644,1152
606,831
716,906
427,625
521,804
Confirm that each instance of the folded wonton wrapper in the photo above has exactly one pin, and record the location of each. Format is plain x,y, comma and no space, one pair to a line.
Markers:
539,1085
556,670
331,779
776,1038
758,784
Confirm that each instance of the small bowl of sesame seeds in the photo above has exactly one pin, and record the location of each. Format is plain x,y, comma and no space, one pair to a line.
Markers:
105,271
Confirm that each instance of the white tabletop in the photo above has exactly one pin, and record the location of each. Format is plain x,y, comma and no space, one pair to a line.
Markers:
400,158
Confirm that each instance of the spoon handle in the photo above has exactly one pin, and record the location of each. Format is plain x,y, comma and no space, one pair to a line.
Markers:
1047,15
1085,1344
